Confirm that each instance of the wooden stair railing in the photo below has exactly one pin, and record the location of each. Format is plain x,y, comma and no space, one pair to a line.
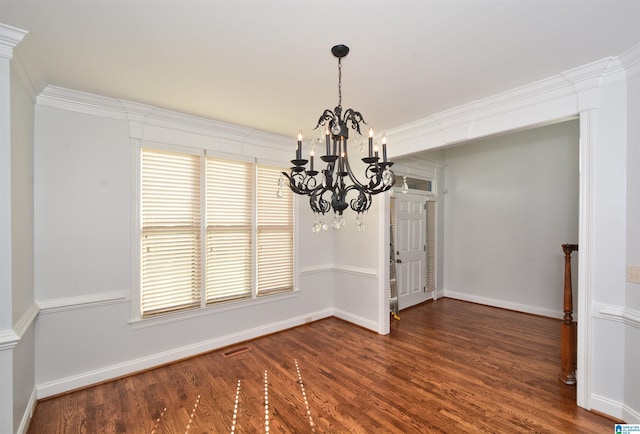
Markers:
568,344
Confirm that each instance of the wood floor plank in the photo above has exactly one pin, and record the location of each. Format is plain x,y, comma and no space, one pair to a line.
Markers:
447,366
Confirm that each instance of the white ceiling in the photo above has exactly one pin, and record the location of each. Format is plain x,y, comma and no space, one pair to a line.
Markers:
267,64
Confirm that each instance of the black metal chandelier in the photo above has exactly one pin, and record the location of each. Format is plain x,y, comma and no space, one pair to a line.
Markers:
327,189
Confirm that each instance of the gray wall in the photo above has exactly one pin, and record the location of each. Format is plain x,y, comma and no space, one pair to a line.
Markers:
510,202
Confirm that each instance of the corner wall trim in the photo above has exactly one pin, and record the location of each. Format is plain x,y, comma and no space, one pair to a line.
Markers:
27,318
356,319
28,412
630,415
8,339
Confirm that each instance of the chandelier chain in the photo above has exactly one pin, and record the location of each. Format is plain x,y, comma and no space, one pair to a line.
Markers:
339,82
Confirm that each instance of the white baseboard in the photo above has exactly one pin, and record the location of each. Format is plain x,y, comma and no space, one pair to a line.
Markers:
630,415
126,368
28,412
607,406
535,310
356,319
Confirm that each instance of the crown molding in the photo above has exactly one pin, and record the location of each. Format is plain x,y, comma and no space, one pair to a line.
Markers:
630,60
559,97
219,135
9,38
165,126
80,102
505,111
29,68
418,166
587,80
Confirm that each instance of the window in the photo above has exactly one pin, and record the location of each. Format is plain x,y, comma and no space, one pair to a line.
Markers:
212,230
275,234
413,183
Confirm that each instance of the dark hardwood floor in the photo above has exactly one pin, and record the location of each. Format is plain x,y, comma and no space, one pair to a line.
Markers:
447,366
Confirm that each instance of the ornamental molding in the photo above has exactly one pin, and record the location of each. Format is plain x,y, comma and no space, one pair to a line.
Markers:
149,123
80,102
9,38
28,67
625,315
25,321
560,97
630,60
8,339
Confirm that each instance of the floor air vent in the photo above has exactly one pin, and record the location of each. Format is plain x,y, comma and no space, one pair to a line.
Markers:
236,351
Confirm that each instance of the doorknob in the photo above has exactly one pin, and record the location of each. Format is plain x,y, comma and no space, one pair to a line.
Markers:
399,261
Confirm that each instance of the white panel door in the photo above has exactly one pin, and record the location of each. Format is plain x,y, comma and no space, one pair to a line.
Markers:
411,223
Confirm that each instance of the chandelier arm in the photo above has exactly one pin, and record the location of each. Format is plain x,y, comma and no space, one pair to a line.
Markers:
373,174
355,118
301,184
352,177
378,173
362,202
327,115
292,184
319,204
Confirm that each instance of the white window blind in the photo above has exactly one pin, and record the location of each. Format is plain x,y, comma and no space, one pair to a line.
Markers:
212,230
275,234
170,220
230,186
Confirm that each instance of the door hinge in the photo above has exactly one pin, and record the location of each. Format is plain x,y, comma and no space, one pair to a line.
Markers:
424,289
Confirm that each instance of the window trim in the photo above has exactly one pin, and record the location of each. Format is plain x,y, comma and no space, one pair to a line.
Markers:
136,318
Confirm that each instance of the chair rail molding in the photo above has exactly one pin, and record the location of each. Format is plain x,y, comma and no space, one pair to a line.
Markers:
82,301
630,317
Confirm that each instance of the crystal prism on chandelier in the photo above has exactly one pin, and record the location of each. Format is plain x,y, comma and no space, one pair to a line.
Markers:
335,187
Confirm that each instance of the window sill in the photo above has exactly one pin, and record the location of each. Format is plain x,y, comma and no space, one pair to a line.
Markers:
140,323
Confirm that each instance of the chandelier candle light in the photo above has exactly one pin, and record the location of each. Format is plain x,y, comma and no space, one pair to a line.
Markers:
328,191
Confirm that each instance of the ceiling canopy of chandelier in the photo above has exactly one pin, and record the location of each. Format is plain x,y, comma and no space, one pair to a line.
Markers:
335,187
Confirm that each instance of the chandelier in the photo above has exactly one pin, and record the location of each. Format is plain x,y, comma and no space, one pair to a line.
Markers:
335,187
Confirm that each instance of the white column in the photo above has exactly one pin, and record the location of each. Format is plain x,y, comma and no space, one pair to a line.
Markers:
585,266
9,38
